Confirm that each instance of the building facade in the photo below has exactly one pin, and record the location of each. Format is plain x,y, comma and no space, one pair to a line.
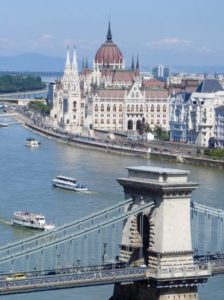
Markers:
192,119
109,96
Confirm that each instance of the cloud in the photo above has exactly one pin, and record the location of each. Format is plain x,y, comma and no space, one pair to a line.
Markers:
83,44
174,43
43,41
5,43
170,41
205,50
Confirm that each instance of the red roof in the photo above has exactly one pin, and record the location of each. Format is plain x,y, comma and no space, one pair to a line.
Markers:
109,53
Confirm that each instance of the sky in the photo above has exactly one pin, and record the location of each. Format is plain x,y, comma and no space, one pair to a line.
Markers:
169,32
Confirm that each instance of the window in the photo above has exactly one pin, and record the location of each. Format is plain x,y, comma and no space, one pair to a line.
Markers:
164,108
108,121
136,107
147,108
108,107
82,105
120,108
132,108
74,104
96,121
114,107
96,107
102,121
141,108
102,107
158,108
152,108
128,108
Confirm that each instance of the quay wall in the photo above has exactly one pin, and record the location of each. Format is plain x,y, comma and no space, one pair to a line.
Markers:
87,143
120,149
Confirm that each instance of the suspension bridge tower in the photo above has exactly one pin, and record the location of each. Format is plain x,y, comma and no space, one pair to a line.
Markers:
160,240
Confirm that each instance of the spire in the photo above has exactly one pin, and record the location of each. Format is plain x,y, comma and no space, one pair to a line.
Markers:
109,34
87,64
68,62
83,63
132,64
137,65
74,61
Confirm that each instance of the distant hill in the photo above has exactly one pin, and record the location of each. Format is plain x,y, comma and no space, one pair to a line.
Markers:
31,62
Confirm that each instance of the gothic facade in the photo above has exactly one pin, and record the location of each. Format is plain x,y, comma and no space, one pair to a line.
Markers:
107,97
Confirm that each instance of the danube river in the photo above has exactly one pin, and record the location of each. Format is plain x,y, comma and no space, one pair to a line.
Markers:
25,181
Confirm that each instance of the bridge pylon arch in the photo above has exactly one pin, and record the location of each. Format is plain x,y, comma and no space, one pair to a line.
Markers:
167,250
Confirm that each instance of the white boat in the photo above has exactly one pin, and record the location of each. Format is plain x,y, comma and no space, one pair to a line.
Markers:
31,220
31,142
68,183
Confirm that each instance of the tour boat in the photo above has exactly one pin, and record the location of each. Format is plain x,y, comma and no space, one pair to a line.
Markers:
68,183
31,220
31,142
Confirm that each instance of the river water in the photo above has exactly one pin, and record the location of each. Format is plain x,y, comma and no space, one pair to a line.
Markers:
25,184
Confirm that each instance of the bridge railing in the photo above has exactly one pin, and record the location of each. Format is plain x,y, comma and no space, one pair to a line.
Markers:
96,243
207,229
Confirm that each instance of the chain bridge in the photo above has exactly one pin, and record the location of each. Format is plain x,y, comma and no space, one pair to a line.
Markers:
156,243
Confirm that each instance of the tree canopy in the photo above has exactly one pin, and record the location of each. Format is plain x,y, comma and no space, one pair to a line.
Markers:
20,83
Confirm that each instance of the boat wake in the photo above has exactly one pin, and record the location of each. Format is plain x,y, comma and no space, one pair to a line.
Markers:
4,221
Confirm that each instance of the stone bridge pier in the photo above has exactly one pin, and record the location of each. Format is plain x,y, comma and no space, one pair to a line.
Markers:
165,240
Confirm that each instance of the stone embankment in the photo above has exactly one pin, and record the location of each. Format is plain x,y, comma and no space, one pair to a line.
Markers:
122,147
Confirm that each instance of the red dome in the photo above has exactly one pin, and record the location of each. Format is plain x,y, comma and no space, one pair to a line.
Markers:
109,53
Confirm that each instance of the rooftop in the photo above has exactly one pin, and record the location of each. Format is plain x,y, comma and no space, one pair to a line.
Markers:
209,86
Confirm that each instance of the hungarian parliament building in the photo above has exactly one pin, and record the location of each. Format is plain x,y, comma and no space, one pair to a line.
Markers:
109,96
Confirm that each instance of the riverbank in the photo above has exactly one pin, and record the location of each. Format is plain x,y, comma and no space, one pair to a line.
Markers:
120,147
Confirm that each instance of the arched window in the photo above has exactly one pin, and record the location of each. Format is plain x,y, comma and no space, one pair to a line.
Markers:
102,107
96,107
120,108
74,104
132,108
114,107
136,95
130,125
108,107
128,108
137,108
164,108
152,108
138,125
141,108
158,108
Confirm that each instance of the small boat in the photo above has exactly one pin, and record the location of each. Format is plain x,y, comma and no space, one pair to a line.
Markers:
31,220
3,125
68,183
31,142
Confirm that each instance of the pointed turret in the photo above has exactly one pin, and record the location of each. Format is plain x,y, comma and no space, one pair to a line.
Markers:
109,34
132,64
74,61
87,64
83,63
68,61
137,65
